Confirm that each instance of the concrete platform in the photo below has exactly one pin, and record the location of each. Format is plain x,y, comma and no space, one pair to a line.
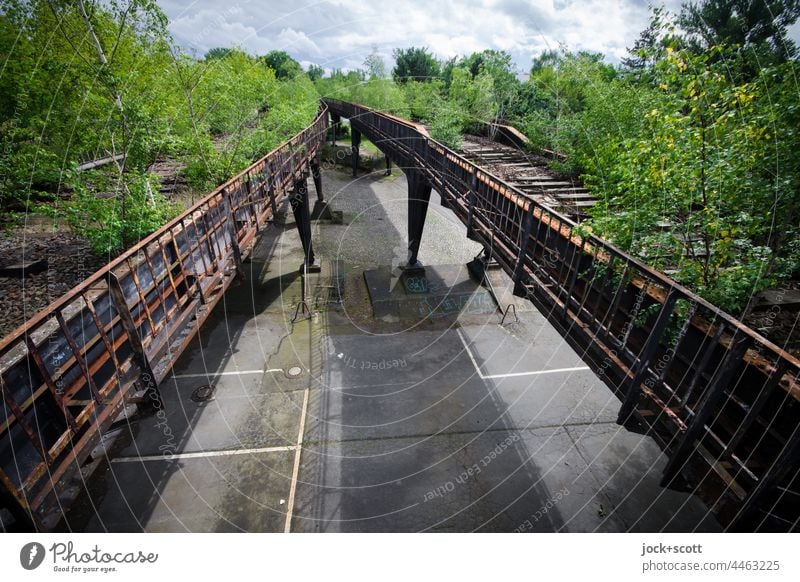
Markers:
348,422
435,291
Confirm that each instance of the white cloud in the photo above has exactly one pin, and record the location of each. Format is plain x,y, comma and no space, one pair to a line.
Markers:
294,41
340,33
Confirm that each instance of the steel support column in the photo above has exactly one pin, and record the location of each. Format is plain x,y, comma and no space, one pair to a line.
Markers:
316,175
355,141
321,210
302,217
335,121
419,195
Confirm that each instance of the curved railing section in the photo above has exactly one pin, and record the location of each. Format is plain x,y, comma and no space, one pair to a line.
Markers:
67,373
721,400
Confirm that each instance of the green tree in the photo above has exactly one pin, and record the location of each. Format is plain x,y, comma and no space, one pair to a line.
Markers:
423,99
447,125
376,68
417,64
108,226
498,65
648,48
475,97
83,80
285,66
315,72
217,53
761,25
690,194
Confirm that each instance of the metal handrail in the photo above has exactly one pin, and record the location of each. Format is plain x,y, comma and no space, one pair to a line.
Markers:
67,372
719,397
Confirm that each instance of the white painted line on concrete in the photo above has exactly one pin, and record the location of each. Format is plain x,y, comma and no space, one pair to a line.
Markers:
287,528
203,454
537,373
469,352
217,374
513,374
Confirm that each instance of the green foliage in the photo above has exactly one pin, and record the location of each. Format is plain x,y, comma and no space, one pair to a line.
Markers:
230,92
689,193
414,64
376,68
217,53
381,94
27,170
760,27
474,97
284,66
689,147
423,99
115,222
497,66
64,101
315,72
447,125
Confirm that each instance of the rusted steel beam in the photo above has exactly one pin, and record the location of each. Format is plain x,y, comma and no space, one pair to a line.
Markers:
355,144
419,195
302,217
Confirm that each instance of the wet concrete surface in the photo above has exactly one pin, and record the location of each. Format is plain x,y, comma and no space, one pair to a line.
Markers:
439,422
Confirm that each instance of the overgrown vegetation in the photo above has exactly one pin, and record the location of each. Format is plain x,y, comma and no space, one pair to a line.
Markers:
689,143
86,79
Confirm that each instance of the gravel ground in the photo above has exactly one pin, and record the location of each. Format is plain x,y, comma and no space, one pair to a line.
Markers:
69,262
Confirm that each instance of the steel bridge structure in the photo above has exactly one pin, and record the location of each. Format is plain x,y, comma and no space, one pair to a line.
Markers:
721,400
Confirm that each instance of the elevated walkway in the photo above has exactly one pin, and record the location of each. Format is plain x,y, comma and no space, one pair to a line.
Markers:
260,377
354,421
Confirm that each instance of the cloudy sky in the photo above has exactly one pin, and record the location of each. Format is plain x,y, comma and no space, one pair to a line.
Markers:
340,33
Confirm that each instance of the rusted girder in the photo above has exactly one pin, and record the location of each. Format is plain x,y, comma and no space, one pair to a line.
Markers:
355,141
302,217
419,195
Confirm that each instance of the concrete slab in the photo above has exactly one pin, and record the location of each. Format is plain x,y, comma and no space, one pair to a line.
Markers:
489,481
398,385
217,494
564,399
231,344
498,351
628,466
227,422
438,291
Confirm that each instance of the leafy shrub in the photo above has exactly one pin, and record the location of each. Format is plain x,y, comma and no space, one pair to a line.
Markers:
447,126
111,224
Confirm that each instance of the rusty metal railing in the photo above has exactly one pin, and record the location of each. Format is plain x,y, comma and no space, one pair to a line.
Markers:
721,400
67,373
